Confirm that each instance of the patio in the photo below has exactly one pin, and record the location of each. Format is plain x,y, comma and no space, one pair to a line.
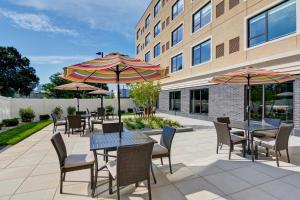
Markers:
30,170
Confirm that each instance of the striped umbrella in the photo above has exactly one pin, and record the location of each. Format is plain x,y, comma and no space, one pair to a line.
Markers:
114,68
251,76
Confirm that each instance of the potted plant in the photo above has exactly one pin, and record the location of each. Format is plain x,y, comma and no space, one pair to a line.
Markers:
58,111
71,110
26,114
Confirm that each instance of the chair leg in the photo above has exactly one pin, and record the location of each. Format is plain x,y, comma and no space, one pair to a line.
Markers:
92,178
279,153
110,184
276,152
53,129
256,152
161,161
230,150
170,165
149,189
66,128
217,148
118,192
221,146
152,172
244,149
61,182
288,156
267,152
64,176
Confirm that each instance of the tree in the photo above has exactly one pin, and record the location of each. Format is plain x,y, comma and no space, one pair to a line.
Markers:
56,80
15,73
145,94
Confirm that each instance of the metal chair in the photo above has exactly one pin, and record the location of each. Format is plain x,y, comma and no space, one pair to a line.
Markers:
76,124
132,166
57,123
281,142
224,137
163,149
72,162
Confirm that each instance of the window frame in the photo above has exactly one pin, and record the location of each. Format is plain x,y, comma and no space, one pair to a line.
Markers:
178,13
172,94
265,13
176,29
156,25
155,11
200,113
148,18
199,44
138,49
138,34
175,56
148,35
154,50
148,53
199,10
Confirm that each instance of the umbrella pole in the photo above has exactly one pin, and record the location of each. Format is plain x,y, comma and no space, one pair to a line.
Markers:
77,99
119,105
101,101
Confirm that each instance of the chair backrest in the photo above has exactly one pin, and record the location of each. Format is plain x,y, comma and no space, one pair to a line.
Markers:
133,163
273,122
167,137
282,137
101,112
54,117
80,112
223,133
112,127
60,148
74,121
225,120
87,111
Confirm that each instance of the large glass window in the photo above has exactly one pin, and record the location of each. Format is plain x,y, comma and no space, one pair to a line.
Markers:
201,52
177,35
147,56
156,50
157,29
274,23
175,101
157,8
199,101
147,21
147,39
272,101
177,8
176,63
202,17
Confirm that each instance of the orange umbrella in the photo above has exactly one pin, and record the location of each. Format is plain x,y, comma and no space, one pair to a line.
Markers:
100,92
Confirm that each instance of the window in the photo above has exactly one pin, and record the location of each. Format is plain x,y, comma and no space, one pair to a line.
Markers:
177,35
199,101
138,34
272,101
220,50
174,101
157,8
177,8
233,3
157,29
274,23
202,17
147,56
147,21
234,45
147,39
176,63
138,49
201,52
156,50
220,9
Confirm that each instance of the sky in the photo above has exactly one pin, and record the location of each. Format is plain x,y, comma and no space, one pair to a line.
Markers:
57,33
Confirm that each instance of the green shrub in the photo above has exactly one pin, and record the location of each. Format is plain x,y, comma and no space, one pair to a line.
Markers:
26,114
58,111
1,125
129,110
153,123
109,108
123,112
44,117
10,122
71,110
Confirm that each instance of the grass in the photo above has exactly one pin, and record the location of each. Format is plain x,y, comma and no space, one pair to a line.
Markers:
152,123
17,134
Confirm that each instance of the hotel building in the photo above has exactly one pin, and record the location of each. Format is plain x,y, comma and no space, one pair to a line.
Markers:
197,39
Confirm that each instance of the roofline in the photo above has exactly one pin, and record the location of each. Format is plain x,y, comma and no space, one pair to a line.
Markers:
144,13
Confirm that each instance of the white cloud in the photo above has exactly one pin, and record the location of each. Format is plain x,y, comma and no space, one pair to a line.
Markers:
55,60
35,22
107,15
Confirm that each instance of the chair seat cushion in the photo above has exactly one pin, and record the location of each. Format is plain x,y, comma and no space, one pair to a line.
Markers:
78,160
61,122
159,149
237,139
268,133
265,142
239,133
112,168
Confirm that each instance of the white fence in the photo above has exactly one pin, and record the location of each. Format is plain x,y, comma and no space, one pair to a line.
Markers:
9,107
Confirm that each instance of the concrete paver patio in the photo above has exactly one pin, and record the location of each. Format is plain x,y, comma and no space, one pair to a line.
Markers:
30,170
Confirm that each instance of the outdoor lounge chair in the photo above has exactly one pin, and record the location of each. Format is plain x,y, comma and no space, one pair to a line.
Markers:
163,149
224,137
131,166
57,123
76,124
72,162
281,142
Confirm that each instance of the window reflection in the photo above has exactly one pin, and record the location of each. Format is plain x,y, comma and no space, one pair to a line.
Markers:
174,101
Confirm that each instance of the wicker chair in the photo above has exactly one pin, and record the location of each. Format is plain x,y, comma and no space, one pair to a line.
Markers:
281,142
72,162
268,133
110,113
224,137
93,114
132,166
163,149
57,123
76,124
100,117
226,120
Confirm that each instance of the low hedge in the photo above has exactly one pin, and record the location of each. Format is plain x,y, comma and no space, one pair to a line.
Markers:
44,117
10,122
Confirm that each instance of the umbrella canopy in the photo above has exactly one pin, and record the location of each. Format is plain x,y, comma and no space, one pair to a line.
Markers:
77,87
114,68
100,92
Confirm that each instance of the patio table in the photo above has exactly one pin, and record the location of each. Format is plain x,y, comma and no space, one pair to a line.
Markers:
254,126
100,141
